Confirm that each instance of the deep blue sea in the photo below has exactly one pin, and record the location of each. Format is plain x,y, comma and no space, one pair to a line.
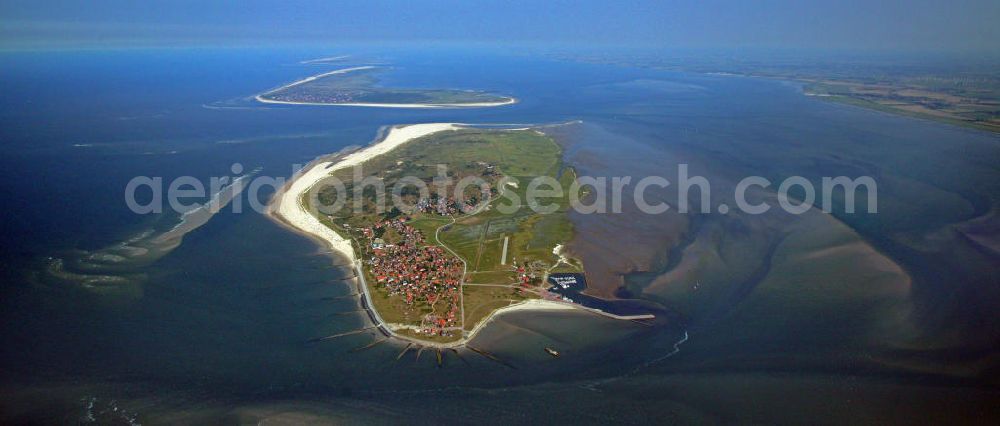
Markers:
216,330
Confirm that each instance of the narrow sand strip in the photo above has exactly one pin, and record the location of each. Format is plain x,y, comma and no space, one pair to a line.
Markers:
327,59
527,305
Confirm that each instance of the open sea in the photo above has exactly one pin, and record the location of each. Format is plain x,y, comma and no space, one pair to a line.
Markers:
113,317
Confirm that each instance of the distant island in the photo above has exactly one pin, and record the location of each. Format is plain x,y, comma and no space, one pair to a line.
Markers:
435,271
357,87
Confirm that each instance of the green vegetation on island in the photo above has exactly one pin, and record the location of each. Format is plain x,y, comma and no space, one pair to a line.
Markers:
949,100
437,263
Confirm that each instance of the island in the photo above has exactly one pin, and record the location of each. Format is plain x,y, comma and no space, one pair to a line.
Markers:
434,267
357,86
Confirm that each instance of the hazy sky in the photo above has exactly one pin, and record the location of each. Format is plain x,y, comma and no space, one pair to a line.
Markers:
962,24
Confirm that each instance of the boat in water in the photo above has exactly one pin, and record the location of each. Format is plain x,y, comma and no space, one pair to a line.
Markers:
552,352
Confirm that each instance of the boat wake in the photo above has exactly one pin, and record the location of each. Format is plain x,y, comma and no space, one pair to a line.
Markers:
593,385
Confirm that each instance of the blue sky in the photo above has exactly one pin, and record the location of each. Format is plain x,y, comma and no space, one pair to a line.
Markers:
889,24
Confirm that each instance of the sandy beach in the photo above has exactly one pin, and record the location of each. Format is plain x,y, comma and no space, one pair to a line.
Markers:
527,305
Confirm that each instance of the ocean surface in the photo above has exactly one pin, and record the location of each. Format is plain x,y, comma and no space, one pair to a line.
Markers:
115,317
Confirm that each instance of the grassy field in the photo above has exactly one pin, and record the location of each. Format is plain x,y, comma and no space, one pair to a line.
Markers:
522,156
480,300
